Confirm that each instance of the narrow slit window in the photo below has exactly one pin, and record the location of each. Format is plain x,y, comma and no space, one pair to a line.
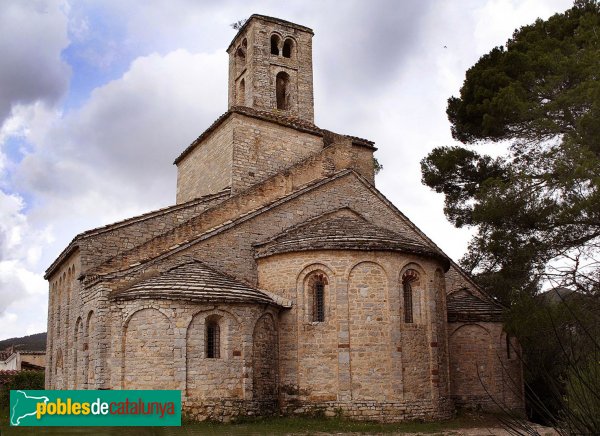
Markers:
319,302
409,278
408,311
282,90
212,341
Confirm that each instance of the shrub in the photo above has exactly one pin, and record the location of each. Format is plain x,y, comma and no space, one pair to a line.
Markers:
20,380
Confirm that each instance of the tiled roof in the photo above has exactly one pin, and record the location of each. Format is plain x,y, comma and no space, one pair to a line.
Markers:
138,218
195,281
463,305
346,231
275,117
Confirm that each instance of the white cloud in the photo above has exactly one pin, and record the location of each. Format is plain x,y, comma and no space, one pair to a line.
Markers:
20,286
115,152
32,36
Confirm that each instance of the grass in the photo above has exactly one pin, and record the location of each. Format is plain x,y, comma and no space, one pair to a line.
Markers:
262,426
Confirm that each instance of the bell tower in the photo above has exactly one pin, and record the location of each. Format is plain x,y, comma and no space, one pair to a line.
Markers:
270,67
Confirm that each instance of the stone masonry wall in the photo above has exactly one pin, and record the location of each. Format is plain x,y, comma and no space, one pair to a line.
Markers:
456,280
63,304
265,360
261,67
218,377
307,172
381,411
263,149
355,358
231,250
160,344
482,374
148,340
207,168
370,332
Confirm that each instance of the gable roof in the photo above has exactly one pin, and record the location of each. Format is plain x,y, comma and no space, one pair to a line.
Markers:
74,244
342,230
195,281
463,305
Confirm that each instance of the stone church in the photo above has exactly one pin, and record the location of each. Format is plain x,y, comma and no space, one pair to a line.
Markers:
282,280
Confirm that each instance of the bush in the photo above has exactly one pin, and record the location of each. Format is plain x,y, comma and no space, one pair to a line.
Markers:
20,380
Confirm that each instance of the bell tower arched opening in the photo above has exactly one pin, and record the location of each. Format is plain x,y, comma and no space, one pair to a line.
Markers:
282,90
263,47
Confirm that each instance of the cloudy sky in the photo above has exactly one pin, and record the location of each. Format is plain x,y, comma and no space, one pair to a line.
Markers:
98,98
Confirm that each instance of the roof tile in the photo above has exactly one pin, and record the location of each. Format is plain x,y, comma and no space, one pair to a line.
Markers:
197,282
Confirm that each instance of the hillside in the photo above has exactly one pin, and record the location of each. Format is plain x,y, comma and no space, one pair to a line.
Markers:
36,342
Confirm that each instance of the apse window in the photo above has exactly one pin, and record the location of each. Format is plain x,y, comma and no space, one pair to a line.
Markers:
213,340
319,302
317,297
409,279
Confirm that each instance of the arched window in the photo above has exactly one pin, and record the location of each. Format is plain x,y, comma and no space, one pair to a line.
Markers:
282,91
240,60
213,338
316,287
275,44
241,100
241,54
319,302
287,48
409,278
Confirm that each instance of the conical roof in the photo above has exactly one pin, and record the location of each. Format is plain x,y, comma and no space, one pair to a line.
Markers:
194,281
343,232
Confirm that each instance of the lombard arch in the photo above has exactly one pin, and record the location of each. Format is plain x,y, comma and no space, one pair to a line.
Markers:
369,326
148,345
214,361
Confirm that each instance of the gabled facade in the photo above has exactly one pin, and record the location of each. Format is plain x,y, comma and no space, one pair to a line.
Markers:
281,280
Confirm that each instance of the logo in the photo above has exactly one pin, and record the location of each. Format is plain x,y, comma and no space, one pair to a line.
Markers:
95,408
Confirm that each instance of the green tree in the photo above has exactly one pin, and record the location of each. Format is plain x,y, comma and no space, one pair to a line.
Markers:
536,208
